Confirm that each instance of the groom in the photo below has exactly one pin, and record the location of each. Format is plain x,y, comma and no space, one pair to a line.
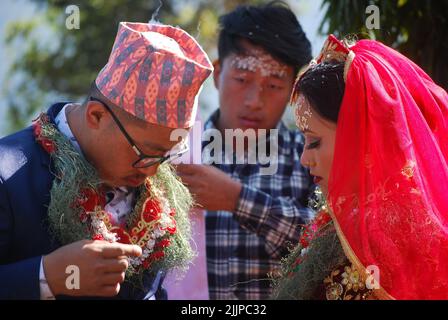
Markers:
147,89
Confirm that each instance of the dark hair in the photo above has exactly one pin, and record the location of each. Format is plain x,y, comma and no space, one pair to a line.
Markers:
272,26
94,92
323,86
125,117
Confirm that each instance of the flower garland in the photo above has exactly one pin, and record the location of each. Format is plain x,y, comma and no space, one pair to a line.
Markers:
151,231
302,273
309,233
158,224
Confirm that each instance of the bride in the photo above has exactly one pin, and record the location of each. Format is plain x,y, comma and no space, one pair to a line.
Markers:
376,142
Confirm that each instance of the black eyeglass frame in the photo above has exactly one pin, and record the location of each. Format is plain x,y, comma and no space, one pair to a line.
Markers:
141,155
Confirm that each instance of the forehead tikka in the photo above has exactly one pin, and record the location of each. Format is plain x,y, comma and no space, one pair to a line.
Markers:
302,119
259,59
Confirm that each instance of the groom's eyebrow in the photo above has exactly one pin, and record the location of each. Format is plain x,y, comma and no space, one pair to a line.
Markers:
155,146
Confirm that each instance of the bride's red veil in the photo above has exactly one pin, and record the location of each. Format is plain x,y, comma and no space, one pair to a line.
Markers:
388,188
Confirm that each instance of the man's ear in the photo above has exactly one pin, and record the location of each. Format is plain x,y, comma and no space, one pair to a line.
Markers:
95,115
216,72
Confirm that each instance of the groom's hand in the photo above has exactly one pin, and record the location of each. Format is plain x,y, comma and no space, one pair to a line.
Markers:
101,266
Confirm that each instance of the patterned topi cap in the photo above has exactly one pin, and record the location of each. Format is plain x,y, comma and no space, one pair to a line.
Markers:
155,72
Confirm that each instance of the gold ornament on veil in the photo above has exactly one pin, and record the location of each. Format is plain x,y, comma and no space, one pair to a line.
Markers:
332,51
336,51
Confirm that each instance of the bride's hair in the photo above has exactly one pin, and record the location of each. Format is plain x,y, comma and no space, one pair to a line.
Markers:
323,86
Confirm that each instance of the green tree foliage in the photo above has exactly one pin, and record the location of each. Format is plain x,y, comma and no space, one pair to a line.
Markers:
416,28
59,63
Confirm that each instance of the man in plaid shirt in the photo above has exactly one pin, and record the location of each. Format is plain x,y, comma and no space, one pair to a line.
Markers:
252,217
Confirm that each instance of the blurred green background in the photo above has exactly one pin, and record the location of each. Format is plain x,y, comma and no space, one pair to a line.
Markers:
42,61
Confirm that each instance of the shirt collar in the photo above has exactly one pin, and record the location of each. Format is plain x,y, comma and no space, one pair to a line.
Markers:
63,126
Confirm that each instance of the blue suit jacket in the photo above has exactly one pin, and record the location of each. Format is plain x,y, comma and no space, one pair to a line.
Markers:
25,183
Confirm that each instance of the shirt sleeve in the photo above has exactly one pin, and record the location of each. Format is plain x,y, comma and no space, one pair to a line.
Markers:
277,219
45,291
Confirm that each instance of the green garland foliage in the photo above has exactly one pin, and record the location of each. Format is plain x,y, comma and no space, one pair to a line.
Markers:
74,173
305,280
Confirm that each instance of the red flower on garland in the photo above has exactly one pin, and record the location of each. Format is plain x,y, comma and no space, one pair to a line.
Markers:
89,199
83,217
146,264
122,235
172,229
98,237
311,229
152,210
46,144
157,255
37,128
162,244
152,258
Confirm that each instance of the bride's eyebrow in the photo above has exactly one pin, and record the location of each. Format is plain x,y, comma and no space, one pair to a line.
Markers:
306,130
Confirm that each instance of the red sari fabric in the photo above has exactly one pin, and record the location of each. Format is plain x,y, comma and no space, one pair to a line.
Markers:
388,188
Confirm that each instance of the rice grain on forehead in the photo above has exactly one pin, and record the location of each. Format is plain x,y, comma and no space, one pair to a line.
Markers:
257,59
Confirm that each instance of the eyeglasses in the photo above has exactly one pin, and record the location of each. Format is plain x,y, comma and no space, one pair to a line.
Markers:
145,161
